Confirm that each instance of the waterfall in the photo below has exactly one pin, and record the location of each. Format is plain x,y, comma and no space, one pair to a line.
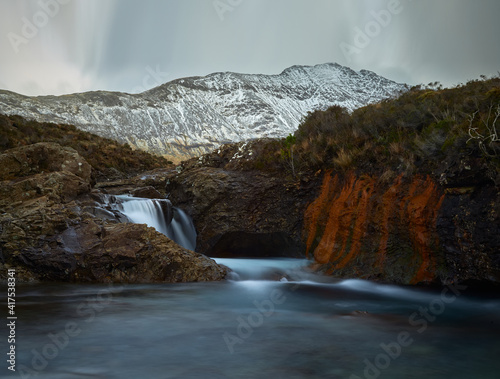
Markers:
181,229
159,214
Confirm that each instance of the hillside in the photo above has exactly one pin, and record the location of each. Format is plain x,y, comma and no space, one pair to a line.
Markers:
110,159
192,116
425,130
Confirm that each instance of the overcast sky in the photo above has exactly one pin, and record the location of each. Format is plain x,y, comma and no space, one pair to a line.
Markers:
66,46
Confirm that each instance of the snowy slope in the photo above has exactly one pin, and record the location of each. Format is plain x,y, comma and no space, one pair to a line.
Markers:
191,116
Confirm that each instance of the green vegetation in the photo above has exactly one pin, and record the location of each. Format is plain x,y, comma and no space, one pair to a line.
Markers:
412,133
287,151
109,158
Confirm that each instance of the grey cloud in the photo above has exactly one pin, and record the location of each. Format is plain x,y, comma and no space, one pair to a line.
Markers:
109,44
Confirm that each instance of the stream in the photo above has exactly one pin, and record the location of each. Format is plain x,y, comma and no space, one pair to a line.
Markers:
272,319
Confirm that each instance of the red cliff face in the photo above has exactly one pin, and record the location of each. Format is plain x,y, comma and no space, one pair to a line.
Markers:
358,227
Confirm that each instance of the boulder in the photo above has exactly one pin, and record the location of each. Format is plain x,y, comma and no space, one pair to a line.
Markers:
140,254
118,253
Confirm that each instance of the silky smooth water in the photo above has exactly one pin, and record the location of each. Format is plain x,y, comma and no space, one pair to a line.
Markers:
149,211
274,320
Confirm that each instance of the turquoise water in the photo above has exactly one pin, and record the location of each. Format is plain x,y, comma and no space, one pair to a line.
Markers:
273,320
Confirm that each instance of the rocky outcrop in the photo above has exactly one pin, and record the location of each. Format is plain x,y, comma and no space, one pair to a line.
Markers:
42,158
129,253
239,209
53,228
42,170
393,227
148,192
411,231
438,227
241,213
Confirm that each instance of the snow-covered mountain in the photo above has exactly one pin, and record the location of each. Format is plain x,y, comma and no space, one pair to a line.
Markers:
191,116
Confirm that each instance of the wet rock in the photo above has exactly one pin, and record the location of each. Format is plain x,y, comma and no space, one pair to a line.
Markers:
411,231
52,227
125,253
139,254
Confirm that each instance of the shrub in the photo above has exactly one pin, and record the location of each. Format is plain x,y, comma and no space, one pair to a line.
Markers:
421,125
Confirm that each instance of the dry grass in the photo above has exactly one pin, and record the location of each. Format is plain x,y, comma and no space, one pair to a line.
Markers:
345,158
394,134
397,148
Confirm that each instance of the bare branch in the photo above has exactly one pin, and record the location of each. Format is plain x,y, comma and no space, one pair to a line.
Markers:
487,122
494,125
491,135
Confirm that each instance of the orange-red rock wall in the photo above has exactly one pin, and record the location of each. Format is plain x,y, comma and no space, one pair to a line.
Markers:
357,226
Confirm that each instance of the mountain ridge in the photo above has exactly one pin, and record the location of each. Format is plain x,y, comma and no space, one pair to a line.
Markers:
191,116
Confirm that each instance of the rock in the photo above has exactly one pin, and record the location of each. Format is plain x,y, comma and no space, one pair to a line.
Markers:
358,228
241,213
146,192
42,169
119,253
139,254
58,186
411,231
436,227
154,179
118,187
52,227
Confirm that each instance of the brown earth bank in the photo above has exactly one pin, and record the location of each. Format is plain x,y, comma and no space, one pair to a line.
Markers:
53,227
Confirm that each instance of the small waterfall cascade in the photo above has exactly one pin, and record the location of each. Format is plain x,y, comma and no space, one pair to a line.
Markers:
159,214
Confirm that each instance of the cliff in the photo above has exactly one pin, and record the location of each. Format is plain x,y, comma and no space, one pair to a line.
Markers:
410,231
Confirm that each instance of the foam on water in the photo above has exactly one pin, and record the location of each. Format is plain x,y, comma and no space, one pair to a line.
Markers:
263,269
